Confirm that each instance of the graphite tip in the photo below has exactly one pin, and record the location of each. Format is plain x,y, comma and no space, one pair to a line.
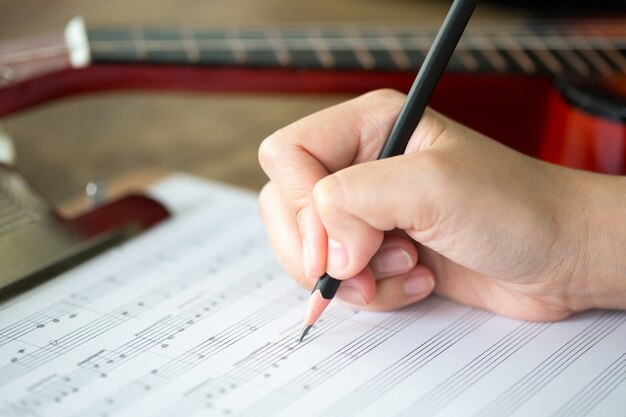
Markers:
305,331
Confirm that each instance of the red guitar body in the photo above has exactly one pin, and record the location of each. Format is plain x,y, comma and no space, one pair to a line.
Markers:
529,114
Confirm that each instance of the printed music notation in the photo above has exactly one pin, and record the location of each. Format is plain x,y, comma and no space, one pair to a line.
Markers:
195,318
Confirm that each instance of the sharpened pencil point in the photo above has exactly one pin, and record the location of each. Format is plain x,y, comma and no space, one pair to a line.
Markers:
304,332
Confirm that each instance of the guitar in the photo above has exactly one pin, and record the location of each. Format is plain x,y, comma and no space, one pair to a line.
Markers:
556,90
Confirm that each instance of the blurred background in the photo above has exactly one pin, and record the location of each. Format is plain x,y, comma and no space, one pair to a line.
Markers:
63,145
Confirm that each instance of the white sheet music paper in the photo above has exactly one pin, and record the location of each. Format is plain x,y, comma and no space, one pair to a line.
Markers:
196,318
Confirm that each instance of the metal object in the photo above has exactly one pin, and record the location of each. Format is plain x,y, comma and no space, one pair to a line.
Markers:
36,244
96,192
7,150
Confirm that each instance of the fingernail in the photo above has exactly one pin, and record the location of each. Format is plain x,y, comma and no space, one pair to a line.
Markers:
392,260
418,284
306,258
337,257
350,295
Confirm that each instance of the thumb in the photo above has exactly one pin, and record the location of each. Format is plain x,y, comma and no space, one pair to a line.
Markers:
358,204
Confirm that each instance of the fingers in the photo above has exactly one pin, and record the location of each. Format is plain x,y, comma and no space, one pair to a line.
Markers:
298,156
286,243
393,292
391,281
283,234
397,255
360,202
336,223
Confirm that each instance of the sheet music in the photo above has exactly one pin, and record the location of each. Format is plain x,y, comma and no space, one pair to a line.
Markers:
196,318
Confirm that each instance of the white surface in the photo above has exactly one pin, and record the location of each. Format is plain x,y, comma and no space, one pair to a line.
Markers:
196,318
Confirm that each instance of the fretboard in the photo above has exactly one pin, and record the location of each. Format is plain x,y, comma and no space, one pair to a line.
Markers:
562,48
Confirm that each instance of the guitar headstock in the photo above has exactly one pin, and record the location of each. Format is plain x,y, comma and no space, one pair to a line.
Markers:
29,58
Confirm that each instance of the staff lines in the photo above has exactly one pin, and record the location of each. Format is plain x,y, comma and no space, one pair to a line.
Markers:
163,330
256,364
588,398
109,282
164,291
525,388
456,384
159,377
298,387
378,385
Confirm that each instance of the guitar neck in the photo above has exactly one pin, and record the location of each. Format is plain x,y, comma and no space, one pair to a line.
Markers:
554,49
567,48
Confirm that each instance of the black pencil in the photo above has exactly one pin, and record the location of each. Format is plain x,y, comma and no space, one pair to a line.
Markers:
434,65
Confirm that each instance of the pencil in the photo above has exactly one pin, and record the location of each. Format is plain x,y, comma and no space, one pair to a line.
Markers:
427,77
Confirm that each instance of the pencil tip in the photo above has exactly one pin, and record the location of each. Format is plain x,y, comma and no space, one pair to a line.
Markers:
305,331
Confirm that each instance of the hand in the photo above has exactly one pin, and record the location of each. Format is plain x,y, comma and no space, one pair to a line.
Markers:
458,213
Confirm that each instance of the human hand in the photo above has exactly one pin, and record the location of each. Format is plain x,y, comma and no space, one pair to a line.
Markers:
459,213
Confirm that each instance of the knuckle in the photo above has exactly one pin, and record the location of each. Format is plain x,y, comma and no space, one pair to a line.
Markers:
384,94
271,149
432,129
300,206
439,167
326,193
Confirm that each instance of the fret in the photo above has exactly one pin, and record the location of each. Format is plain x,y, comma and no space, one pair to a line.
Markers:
495,59
597,62
560,48
416,45
223,56
395,50
263,54
139,44
489,51
380,49
314,52
420,43
468,60
238,47
321,49
188,40
151,36
277,44
607,48
616,57
545,56
544,62
469,56
519,55
359,48
574,61
111,45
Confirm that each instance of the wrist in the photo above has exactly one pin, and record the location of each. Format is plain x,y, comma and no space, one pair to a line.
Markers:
596,241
